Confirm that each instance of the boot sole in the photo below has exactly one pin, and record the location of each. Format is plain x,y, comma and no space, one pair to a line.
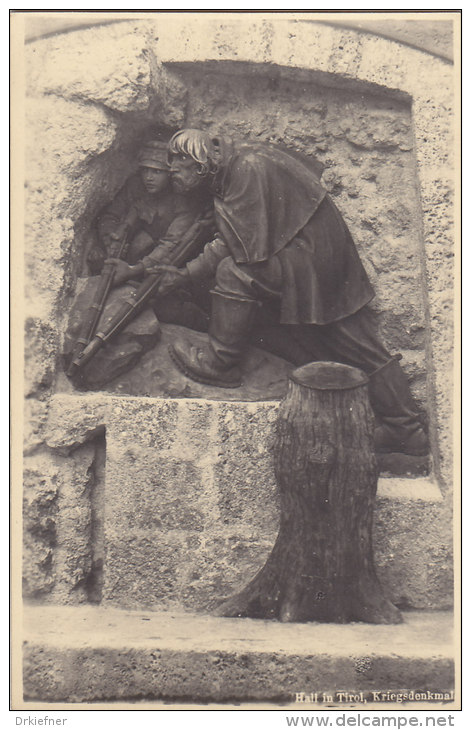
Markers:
200,378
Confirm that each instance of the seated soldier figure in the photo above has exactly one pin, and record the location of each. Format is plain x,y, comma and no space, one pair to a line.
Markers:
156,218
283,247
149,211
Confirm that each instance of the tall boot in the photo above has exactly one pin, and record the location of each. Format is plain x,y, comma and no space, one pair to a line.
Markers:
217,362
400,429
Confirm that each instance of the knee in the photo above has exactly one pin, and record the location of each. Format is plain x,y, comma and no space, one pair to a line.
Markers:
227,273
234,279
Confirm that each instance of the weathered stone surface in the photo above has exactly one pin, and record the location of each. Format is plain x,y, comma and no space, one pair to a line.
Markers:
58,526
433,36
171,95
39,525
92,654
34,419
168,463
73,554
105,65
414,551
437,202
244,470
63,138
69,426
41,344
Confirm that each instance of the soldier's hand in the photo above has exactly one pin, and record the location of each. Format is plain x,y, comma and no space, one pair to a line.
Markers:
122,271
172,278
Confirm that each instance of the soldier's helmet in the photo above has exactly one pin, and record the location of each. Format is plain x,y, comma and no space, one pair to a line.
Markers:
154,154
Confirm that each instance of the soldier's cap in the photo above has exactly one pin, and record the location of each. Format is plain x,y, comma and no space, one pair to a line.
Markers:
154,154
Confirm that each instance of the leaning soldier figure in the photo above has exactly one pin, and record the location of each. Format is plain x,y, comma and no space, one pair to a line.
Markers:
282,250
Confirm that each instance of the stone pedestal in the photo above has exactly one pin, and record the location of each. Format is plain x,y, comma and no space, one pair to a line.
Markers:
185,506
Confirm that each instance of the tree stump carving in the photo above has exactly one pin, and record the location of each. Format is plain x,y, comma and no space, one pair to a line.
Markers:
321,567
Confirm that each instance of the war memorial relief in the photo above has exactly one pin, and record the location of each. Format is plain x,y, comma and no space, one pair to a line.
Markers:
239,361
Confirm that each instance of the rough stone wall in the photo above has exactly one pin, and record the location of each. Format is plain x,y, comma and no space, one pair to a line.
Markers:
369,109
62,550
435,150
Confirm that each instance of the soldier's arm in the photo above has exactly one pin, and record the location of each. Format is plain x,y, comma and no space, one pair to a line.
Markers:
163,250
205,265
200,268
182,224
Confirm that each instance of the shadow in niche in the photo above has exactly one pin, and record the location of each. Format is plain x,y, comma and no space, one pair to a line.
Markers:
94,579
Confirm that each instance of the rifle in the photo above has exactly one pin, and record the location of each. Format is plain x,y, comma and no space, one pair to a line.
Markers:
97,306
133,304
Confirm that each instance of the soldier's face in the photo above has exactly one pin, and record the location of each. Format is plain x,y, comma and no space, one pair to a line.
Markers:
154,180
185,173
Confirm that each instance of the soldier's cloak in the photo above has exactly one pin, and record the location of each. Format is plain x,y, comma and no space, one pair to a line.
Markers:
270,203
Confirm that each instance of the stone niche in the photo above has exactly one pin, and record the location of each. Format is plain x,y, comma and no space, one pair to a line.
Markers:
139,498
363,144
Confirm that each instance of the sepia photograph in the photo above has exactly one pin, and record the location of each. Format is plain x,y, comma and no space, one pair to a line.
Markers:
236,360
